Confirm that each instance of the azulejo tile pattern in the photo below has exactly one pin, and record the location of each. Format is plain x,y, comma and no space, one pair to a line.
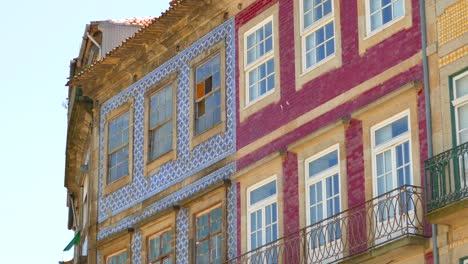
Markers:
174,198
136,247
182,242
188,162
232,221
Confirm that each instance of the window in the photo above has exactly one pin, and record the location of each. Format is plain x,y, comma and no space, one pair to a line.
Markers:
317,31
160,123
460,105
160,248
323,194
392,154
208,94
460,109
259,61
117,258
262,214
117,155
118,148
209,237
382,12
464,260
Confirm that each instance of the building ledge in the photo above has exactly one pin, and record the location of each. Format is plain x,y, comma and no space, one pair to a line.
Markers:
449,214
396,250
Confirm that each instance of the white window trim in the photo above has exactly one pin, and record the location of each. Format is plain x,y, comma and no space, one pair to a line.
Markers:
321,176
251,66
369,32
310,30
394,141
458,102
261,205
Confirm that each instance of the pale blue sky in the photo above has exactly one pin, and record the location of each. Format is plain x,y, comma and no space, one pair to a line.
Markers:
38,40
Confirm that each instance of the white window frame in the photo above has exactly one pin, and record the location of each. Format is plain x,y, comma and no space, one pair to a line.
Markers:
261,205
310,30
389,218
248,67
391,145
458,102
369,32
321,176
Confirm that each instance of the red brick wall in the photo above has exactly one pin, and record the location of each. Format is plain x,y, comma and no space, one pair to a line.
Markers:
343,110
290,193
355,163
355,69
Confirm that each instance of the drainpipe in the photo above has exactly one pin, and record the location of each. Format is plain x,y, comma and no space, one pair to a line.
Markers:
422,9
95,43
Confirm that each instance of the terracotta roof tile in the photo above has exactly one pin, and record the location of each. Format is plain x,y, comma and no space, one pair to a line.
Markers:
134,21
149,22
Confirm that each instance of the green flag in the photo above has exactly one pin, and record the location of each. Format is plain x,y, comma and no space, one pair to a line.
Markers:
75,240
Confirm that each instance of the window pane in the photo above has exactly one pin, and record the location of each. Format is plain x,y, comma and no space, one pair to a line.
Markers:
375,5
323,163
387,14
166,243
202,226
320,44
399,8
462,113
207,113
263,192
259,42
118,128
391,130
155,245
202,252
216,220
461,86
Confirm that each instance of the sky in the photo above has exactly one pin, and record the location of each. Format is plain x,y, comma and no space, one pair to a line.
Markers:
38,40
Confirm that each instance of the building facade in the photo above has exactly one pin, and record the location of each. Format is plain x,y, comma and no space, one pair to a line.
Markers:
269,131
446,174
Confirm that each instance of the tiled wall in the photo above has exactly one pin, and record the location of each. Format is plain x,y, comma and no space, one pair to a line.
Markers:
188,161
453,23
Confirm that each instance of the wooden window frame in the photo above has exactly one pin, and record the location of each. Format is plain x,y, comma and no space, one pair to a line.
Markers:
156,227
112,187
116,246
197,139
209,236
162,257
152,165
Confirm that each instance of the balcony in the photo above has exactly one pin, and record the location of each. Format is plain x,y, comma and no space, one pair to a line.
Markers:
377,222
446,177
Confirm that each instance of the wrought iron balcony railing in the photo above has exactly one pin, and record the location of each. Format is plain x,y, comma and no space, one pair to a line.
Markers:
398,213
446,177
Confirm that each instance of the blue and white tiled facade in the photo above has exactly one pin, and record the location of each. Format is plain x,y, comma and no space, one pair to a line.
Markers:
182,243
188,162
